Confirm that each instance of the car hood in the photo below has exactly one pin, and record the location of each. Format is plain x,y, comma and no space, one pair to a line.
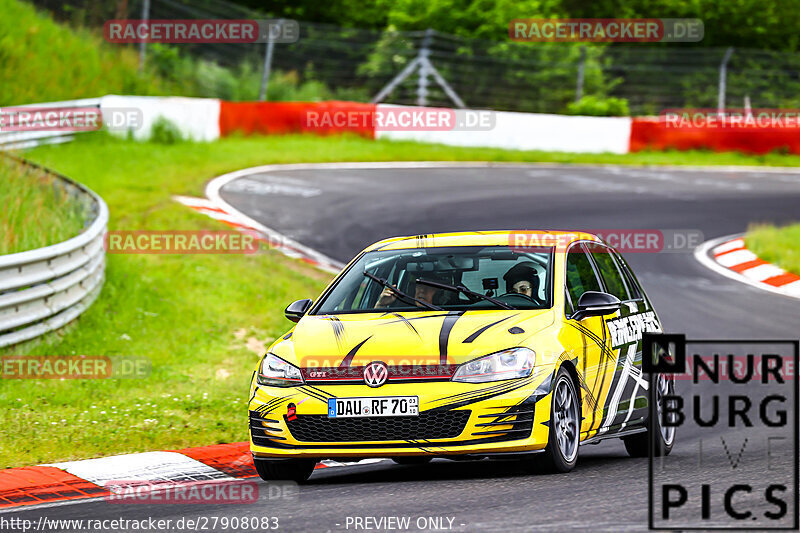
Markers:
424,337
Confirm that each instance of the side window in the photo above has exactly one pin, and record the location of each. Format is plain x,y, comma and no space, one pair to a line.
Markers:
569,308
633,284
612,277
580,274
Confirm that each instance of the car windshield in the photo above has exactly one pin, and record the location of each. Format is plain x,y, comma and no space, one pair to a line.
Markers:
443,279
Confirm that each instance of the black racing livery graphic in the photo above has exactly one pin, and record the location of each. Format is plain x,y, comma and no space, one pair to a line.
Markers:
482,329
628,329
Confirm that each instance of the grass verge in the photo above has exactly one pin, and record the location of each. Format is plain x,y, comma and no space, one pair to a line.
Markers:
777,245
43,61
202,320
36,211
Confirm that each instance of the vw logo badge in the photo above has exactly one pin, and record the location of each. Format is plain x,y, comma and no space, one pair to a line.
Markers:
376,374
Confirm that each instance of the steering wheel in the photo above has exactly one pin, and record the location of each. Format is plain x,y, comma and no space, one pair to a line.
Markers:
511,296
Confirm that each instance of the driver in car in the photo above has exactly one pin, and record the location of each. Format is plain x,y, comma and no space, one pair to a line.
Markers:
426,293
523,279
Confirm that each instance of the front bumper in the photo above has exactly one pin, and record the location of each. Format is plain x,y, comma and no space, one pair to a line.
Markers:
454,419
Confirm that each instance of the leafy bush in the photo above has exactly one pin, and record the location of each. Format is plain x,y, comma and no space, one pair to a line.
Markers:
596,106
165,132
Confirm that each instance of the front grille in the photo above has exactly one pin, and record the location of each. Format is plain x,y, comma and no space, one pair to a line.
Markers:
428,425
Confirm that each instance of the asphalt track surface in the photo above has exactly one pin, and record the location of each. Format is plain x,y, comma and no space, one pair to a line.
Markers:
338,212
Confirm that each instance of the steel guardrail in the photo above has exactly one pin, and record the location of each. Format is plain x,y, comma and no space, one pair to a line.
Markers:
19,140
44,289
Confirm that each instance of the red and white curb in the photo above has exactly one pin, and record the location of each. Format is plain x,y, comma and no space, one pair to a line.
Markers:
730,257
274,240
96,478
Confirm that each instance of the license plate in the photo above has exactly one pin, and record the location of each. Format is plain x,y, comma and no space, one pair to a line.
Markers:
380,406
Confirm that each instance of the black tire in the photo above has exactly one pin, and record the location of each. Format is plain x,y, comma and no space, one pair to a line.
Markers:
412,460
561,454
638,445
298,470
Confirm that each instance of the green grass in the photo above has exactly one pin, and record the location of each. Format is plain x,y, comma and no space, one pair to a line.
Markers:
36,211
777,245
199,318
43,61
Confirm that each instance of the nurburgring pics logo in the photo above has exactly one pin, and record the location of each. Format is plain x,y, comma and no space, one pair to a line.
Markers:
656,30
734,410
178,31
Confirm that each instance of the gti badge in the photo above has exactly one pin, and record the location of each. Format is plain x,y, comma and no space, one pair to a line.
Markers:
376,373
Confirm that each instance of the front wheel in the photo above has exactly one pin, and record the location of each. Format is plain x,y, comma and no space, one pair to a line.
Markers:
298,470
561,453
638,445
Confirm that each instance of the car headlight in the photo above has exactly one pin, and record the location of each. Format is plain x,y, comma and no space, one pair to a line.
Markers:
507,364
277,372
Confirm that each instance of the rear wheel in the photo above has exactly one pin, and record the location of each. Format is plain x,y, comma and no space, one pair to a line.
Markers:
561,453
638,445
412,460
297,470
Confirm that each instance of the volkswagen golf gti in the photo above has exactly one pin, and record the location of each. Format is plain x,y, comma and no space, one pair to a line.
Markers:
511,345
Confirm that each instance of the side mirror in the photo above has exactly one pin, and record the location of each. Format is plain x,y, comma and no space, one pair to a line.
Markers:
295,310
593,303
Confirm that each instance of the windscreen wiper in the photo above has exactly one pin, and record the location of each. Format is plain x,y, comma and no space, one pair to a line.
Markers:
463,289
400,294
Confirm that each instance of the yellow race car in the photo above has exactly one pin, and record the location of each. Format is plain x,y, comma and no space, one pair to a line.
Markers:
482,344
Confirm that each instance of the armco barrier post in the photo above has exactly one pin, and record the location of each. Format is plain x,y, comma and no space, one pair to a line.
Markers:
723,74
424,71
581,66
142,44
262,93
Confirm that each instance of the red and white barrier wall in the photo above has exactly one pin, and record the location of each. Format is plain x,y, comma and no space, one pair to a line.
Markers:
206,119
196,118
531,131
657,134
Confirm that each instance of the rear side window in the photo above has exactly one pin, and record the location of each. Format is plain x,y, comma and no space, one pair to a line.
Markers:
612,277
580,274
633,283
